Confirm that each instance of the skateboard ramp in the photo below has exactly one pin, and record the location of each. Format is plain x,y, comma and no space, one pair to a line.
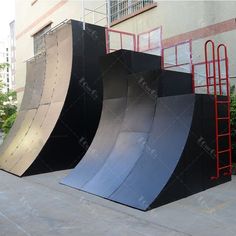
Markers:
61,103
146,151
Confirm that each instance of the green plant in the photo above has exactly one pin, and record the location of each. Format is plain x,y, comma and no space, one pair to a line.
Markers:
233,119
3,65
8,106
8,123
8,103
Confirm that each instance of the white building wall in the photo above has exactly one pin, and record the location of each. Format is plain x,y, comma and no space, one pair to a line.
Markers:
177,18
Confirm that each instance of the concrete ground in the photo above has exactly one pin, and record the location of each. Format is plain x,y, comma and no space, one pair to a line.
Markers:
38,205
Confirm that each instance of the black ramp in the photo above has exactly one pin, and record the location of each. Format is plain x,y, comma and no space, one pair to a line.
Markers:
146,151
117,132
114,103
162,153
129,145
95,157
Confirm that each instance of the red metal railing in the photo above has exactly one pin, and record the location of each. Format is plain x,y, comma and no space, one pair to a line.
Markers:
125,40
211,77
178,61
150,41
197,72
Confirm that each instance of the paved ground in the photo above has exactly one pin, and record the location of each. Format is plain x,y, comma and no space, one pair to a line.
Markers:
39,206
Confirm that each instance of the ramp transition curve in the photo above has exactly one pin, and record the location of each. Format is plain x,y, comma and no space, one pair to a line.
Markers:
148,147
61,103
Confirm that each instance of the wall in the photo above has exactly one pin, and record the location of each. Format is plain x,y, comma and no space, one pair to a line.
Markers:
180,20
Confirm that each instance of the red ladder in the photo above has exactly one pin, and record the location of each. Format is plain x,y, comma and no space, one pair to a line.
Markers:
219,101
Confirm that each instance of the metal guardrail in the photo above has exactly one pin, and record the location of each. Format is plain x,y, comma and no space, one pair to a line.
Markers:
120,9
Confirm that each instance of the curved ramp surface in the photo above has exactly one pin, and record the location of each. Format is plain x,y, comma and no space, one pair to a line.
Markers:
146,151
61,94
162,152
123,96
128,133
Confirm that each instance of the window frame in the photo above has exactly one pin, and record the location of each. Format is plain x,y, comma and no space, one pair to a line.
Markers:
130,9
38,35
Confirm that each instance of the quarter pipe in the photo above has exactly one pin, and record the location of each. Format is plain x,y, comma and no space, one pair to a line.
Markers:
146,151
61,103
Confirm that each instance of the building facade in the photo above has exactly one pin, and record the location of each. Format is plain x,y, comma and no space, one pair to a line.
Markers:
175,22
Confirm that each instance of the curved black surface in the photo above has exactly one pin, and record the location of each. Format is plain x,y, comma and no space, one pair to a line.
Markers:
146,151
124,97
162,152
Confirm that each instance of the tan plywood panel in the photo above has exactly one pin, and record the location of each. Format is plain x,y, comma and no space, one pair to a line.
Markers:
47,86
36,140
32,141
51,68
33,127
12,133
39,82
29,85
35,75
64,37
8,154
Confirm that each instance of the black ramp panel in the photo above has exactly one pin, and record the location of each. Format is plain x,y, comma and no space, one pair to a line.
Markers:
129,145
114,104
117,165
123,95
174,83
197,164
166,142
101,145
144,152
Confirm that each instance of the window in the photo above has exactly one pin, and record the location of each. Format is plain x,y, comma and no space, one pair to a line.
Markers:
39,40
120,9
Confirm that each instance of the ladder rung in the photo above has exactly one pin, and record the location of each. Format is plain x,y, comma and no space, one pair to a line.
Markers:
223,118
224,167
222,102
210,77
223,135
200,86
224,79
224,151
